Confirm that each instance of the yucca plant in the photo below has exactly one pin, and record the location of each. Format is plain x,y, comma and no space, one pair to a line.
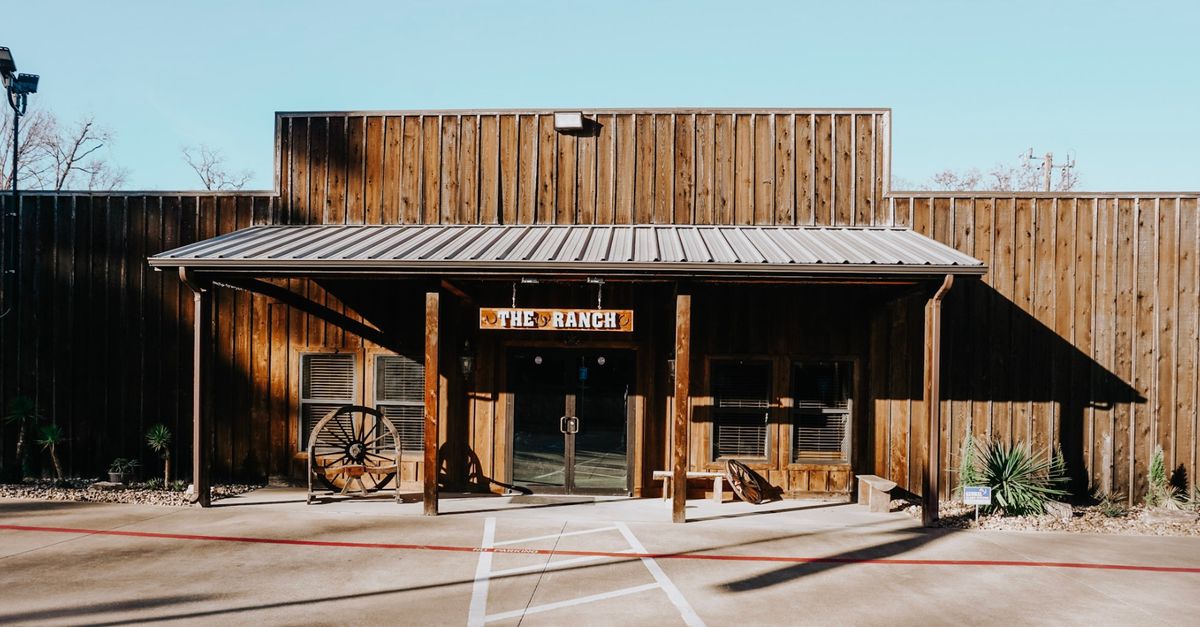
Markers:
51,437
158,438
22,413
1160,492
1022,481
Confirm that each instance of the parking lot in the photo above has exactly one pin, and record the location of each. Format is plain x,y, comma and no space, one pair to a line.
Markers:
268,558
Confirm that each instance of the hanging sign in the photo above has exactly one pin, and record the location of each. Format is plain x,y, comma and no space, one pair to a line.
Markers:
525,319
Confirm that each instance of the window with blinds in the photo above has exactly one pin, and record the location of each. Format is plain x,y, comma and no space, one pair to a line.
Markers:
821,394
741,394
327,381
400,395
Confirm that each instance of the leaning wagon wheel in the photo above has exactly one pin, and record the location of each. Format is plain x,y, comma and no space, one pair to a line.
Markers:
354,447
746,483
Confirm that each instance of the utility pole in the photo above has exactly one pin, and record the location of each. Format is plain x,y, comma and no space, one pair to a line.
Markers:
1048,168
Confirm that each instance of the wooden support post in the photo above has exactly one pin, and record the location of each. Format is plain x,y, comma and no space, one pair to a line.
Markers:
683,360
201,341
431,404
931,472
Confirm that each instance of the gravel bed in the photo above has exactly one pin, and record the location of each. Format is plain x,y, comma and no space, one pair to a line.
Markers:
103,492
1138,520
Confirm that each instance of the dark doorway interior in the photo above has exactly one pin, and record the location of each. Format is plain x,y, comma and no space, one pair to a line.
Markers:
570,419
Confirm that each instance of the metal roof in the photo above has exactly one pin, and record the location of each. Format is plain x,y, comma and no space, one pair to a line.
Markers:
640,250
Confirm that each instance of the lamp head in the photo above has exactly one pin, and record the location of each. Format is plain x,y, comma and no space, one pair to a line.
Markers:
7,65
25,84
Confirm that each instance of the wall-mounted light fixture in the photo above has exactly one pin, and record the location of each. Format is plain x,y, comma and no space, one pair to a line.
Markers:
568,120
466,361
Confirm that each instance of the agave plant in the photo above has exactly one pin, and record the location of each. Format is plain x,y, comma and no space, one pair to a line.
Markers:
158,438
1022,481
22,413
51,437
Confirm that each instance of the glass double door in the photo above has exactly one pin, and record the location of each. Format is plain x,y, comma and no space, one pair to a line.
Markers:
570,420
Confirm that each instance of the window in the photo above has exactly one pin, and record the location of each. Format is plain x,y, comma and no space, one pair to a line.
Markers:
327,381
741,402
821,413
400,395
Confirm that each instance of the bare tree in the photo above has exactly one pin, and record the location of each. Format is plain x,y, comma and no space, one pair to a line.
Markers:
1023,176
209,165
50,157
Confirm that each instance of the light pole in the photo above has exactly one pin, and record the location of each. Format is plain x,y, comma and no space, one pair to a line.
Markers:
17,87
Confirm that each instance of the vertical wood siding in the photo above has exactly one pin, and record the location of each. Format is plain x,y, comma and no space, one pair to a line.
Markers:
1084,332
707,167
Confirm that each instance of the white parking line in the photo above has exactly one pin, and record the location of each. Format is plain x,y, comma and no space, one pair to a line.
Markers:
535,568
685,609
555,535
570,602
483,573
479,591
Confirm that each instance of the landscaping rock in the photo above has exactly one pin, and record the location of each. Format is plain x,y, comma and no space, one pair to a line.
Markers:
1138,520
1165,515
1059,511
107,492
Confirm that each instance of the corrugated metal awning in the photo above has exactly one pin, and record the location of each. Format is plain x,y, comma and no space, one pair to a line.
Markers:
625,250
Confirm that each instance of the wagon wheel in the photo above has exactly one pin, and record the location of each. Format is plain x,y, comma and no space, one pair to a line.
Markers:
746,483
354,444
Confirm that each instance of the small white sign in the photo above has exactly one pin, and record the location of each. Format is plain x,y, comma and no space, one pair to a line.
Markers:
977,495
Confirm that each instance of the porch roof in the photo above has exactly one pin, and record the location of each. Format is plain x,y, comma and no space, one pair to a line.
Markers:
604,250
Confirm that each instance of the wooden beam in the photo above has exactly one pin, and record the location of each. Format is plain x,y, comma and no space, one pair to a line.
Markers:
931,472
683,359
201,340
299,301
431,404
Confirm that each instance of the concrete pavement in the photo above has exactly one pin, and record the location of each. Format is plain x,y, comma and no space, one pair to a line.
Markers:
268,558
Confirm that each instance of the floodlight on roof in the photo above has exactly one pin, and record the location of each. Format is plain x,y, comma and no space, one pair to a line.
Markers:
568,120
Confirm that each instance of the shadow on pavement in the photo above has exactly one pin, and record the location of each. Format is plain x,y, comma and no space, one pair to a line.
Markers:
81,611
819,565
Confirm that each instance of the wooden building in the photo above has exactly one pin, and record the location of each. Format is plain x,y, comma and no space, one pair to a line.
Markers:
563,307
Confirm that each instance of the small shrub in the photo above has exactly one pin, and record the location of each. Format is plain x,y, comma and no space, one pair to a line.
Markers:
158,438
51,437
153,484
1112,506
1022,481
179,485
968,465
1160,492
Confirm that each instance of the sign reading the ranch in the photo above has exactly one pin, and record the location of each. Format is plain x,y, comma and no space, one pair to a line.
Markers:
556,319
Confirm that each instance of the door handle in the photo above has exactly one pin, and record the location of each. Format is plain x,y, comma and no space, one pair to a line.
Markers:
573,424
562,424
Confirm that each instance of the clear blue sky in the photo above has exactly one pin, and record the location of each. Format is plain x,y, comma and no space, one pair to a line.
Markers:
971,83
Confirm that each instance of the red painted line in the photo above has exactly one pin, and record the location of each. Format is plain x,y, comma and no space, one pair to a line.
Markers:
682,556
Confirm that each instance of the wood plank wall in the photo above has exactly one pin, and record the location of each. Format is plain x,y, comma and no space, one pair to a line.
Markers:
673,166
103,343
1084,332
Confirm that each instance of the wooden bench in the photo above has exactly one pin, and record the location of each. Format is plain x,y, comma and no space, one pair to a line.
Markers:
874,492
717,477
